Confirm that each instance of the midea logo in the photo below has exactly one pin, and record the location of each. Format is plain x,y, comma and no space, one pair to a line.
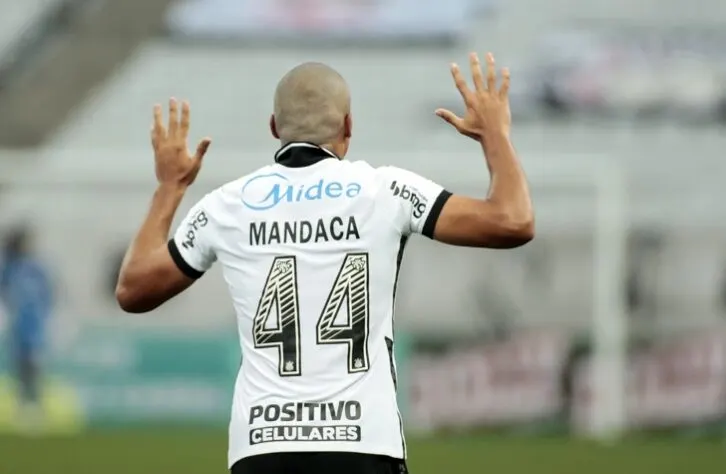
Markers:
266,191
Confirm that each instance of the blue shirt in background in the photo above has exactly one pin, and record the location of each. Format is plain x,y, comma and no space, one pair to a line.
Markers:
27,295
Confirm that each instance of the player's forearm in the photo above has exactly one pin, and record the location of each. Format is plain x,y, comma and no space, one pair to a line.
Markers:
154,231
508,188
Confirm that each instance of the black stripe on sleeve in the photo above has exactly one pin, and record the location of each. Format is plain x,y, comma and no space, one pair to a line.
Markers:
430,224
182,264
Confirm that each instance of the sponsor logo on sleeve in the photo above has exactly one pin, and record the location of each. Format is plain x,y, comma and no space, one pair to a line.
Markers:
194,224
266,191
408,193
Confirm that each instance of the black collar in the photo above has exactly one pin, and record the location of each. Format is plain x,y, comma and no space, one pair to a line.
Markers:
300,154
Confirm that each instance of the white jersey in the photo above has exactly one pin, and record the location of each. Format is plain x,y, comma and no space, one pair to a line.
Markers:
310,248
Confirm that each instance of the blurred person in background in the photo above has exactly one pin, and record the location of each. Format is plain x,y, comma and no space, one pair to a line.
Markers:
26,294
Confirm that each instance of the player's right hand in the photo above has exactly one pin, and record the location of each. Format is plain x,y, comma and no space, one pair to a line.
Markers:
487,107
174,164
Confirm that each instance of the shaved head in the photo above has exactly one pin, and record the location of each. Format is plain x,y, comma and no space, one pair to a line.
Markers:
312,104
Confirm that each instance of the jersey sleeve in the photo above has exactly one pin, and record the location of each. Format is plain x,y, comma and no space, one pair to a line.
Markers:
418,200
192,246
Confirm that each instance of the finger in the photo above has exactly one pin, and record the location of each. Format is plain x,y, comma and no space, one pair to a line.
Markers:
185,118
449,117
173,116
202,149
491,73
158,126
476,72
460,81
504,90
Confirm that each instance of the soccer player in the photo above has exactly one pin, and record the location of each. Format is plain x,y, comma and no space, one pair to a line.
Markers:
310,247
26,292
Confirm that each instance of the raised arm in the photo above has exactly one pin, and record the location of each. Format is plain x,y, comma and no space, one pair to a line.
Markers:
505,219
150,274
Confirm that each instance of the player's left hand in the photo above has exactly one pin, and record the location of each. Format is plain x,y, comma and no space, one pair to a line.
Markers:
174,164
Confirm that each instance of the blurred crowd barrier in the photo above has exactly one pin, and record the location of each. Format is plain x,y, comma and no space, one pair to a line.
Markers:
541,381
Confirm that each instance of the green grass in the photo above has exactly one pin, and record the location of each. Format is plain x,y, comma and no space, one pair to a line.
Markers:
187,451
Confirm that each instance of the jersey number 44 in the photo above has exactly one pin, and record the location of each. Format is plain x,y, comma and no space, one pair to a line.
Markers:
280,298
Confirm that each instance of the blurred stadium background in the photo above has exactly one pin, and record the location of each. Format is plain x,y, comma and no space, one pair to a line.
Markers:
599,348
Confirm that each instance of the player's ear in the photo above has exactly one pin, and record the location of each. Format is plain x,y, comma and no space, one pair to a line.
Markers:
273,127
348,126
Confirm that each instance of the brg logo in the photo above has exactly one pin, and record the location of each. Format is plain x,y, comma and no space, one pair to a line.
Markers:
266,191
418,201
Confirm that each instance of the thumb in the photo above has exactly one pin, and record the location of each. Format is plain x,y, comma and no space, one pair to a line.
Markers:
449,117
202,149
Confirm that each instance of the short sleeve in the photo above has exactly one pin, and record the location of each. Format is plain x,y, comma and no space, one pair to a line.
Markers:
420,200
192,247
